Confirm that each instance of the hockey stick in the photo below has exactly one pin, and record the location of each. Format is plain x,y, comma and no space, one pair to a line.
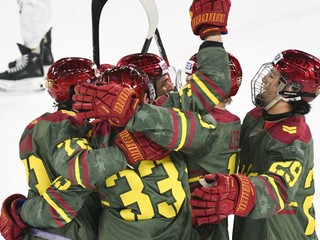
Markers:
151,9
45,235
161,47
96,9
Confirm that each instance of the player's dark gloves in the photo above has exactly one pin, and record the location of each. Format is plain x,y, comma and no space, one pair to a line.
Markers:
11,225
137,147
209,17
221,196
112,102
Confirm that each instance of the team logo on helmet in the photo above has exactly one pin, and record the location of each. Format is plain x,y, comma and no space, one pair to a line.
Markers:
277,58
164,67
189,66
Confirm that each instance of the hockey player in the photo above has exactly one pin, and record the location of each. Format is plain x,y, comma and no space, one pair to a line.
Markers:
212,82
156,69
38,144
26,73
224,149
103,136
186,131
221,144
272,197
149,201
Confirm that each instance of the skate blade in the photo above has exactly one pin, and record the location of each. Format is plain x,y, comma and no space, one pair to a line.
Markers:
24,85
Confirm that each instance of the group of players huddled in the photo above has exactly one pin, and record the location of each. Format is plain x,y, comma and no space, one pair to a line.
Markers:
125,155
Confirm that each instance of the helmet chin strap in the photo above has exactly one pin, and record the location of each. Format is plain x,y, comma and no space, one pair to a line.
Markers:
278,98
273,102
281,86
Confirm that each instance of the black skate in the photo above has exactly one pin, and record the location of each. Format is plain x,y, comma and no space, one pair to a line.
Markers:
47,57
27,74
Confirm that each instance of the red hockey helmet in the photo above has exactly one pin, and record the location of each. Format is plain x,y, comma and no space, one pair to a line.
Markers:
105,67
234,67
133,77
68,72
150,63
235,74
301,72
299,77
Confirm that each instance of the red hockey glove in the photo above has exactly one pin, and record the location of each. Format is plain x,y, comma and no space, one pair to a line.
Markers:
209,16
221,196
11,226
137,147
112,102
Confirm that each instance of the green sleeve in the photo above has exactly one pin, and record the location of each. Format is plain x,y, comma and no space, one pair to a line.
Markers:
58,205
64,209
284,185
173,128
75,160
211,83
173,100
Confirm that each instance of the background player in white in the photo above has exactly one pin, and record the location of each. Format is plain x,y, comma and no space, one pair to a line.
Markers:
28,70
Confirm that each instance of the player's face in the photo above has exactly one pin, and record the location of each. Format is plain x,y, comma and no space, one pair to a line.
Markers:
270,86
163,86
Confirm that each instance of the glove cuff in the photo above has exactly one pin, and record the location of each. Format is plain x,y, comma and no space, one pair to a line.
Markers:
246,195
127,144
208,20
15,211
209,30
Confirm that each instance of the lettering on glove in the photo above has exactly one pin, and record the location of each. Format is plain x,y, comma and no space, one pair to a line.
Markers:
137,147
112,102
220,196
209,17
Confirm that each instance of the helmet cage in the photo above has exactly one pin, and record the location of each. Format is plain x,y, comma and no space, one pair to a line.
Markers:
299,78
257,84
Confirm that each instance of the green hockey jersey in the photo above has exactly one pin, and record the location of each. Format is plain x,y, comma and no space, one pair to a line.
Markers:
52,205
150,201
206,138
278,158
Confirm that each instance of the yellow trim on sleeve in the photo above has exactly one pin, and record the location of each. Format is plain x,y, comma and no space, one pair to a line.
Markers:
57,208
275,187
183,128
205,124
77,172
205,89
